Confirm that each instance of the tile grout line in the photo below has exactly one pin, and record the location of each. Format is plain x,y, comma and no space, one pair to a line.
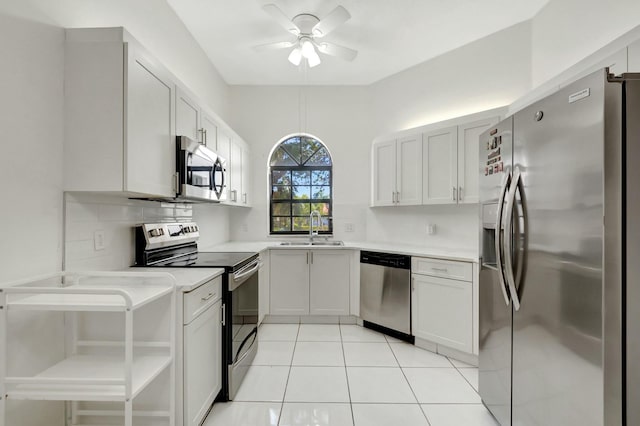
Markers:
353,418
408,382
463,376
295,343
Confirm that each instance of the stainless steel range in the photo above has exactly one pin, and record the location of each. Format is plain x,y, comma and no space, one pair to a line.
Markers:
175,245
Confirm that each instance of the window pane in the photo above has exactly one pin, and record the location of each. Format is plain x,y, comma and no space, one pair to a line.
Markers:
301,192
324,224
292,146
281,192
322,208
282,158
320,177
302,177
281,209
321,192
320,158
308,148
281,177
301,209
279,224
300,223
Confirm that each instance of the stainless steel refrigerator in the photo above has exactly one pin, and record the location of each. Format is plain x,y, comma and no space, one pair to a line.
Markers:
559,248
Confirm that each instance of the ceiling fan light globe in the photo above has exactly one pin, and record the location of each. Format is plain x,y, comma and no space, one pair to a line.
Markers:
313,59
307,48
295,56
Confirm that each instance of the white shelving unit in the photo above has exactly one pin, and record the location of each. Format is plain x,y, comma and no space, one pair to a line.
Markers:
115,370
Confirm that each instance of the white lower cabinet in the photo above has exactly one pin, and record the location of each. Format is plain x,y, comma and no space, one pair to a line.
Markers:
442,308
329,277
201,350
314,282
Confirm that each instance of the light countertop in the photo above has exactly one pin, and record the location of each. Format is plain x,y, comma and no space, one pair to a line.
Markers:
447,253
187,279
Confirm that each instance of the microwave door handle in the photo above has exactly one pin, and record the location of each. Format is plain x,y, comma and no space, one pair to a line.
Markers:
498,242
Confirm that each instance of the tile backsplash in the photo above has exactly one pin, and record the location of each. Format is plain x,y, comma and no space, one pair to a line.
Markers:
99,229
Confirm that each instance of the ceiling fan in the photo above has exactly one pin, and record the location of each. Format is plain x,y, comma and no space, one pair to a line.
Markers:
309,30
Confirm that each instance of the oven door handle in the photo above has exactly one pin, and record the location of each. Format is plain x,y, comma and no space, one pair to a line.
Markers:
247,270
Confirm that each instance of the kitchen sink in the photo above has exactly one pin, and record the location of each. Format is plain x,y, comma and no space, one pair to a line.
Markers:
315,243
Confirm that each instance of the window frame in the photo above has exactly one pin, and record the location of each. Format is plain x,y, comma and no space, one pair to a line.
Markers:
292,201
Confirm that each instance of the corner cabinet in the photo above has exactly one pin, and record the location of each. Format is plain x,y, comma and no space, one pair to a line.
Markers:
309,282
397,171
119,116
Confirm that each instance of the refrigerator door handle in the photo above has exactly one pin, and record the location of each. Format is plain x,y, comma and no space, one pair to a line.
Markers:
508,229
503,284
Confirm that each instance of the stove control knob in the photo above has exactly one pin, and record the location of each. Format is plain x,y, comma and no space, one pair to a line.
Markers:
154,232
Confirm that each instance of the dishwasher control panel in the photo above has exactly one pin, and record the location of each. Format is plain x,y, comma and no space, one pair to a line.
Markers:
392,260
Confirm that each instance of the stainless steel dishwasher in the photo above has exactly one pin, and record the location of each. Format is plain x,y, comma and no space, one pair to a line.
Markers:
385,293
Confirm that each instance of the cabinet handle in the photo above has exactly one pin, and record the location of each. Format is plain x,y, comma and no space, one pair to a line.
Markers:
440,269
207,297
234,195
176,182
460,193
312,258
307,258
205,136
413,284
224,311
453,193
244,198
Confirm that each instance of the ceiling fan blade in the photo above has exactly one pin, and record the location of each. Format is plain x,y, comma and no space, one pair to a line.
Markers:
334,19
336,50
274,46
277,14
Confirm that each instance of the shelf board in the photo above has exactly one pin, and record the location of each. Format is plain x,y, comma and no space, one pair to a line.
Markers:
99,367
73,301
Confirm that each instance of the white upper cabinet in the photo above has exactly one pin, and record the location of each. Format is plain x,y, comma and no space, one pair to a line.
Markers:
469,159
409,170
234,166
384,173
451,163
187,116
246,177
119,116
397,172
209,131
440,163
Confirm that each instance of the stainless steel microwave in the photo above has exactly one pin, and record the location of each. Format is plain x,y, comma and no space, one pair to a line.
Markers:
201,173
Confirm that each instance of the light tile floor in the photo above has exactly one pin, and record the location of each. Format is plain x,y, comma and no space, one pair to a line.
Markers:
346,375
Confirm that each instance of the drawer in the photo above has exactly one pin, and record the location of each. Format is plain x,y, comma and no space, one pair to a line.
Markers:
198,300
442,268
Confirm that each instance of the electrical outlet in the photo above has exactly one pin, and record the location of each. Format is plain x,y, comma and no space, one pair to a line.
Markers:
349,227
98,240
431,228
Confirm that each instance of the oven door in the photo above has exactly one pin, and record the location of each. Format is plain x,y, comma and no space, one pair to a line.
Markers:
243,289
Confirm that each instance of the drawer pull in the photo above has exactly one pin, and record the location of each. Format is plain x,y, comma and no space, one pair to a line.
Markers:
440,269
207,297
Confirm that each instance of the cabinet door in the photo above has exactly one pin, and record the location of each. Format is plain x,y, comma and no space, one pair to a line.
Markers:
235,173
149,143
188,117
329,278
246,179
383,187
202,364
440,163
441,311
289,282
409,170
210,131
469,159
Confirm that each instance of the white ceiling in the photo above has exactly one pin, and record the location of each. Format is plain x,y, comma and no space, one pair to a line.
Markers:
390,35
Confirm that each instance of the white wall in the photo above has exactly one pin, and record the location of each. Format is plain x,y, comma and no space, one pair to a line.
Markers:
566,31
153,23
31,172
485,74
338,116
488,73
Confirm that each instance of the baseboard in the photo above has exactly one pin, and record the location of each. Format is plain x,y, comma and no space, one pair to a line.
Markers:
465,357
311,319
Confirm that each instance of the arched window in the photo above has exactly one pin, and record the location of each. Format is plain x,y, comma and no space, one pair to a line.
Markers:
301,176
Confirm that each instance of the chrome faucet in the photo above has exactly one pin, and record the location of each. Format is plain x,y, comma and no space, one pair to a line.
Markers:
312,233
